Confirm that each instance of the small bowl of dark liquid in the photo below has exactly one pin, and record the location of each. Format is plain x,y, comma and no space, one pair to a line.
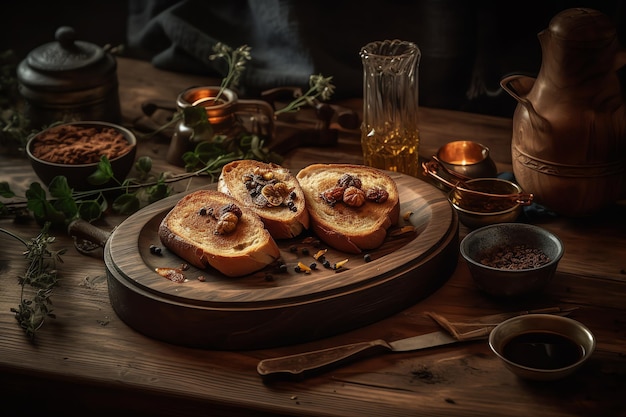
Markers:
542,346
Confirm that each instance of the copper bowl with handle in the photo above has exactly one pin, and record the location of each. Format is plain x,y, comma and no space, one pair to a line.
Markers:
480,201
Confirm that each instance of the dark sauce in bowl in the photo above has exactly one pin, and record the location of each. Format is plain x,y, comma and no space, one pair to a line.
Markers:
543,350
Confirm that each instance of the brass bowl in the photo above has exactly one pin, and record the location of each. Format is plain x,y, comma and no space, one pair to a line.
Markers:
542,347
77,174
476,210
470,159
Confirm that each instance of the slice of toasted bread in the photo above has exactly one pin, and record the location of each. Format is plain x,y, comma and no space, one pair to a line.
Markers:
346,219
192,230
271,191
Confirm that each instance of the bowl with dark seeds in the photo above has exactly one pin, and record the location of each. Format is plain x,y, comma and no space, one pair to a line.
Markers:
511,259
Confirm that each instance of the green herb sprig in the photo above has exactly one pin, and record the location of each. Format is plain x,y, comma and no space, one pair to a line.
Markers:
320,87
219,148
61,204
41,277
211,156
236,61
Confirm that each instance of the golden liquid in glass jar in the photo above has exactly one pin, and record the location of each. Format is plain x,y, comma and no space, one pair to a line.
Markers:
394,151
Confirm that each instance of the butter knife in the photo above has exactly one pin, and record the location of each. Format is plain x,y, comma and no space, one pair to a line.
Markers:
307,362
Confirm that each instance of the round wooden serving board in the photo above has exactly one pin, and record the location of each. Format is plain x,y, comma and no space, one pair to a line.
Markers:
272,308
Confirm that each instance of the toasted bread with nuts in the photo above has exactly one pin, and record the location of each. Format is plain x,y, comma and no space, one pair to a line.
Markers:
210,229
351,207
269,190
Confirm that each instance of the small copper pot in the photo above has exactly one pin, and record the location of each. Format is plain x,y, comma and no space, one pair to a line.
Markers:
229,116
470,159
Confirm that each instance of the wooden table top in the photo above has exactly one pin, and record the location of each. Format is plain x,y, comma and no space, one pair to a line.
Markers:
87,361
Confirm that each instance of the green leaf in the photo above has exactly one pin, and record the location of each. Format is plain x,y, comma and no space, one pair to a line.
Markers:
67,206
144,164
89,210
206,151
103,174
59,187
35,192
5,190
64,200
196,118
41,208
126,204
158,192
191,160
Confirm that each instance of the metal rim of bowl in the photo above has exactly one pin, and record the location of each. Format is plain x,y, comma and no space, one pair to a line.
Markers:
533,228
566,320
476,147
130,137
481,213
516,206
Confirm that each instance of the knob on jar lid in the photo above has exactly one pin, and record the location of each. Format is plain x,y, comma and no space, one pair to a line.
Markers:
65,54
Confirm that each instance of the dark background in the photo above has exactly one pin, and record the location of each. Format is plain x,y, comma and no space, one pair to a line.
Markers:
500,36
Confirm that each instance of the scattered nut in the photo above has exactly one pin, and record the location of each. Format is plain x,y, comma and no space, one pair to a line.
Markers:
354,197
273,195
377,194
340,264
227,223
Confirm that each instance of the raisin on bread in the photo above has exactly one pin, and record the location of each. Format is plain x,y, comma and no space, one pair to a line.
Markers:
269,190
209,229
350,206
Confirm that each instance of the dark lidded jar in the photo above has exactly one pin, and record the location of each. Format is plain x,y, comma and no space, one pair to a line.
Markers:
69,80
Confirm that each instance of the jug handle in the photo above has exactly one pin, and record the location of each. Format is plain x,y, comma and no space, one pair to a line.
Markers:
245,106
516,83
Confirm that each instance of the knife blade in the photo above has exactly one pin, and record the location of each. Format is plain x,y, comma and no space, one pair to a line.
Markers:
307,362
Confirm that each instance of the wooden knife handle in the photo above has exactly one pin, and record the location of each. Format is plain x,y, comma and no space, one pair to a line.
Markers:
294,365
84,230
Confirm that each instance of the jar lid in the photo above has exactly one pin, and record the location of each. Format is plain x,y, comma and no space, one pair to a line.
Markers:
66,64
65,54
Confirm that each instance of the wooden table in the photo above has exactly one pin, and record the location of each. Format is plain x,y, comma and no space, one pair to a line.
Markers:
87,361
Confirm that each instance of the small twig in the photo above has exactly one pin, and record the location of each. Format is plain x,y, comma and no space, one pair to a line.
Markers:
41,275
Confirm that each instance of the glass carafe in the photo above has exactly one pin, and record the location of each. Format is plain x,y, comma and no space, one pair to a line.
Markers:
389,132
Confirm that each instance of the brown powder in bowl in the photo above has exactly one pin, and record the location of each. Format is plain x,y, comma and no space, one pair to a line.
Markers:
75,144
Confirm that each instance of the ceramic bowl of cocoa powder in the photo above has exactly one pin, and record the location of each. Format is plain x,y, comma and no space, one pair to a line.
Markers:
511,259
74,149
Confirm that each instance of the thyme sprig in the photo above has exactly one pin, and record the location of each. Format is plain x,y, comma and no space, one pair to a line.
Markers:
236,61
320,87
41,277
